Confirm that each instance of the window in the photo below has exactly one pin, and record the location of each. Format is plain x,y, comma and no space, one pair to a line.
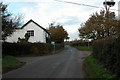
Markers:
30,32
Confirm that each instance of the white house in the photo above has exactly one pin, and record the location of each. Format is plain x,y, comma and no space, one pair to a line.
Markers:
119,10
37,33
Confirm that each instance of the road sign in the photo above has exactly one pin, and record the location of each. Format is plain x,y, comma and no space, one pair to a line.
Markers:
52,42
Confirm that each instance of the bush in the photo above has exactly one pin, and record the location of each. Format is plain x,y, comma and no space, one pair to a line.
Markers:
17,49
107,51
79,43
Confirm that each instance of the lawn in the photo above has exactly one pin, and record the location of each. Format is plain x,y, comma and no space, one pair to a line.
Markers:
84,48
96,70
9,63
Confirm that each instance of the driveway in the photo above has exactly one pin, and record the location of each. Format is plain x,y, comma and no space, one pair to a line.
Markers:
66,64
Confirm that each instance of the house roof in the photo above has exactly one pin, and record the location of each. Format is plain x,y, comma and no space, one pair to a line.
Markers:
36,24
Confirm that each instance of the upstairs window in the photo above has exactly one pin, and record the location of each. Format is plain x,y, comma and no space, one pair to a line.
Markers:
30,32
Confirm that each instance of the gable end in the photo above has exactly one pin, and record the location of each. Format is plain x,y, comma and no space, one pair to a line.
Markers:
36,24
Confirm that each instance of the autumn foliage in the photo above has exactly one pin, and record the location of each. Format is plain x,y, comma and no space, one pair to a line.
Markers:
58,33
100,25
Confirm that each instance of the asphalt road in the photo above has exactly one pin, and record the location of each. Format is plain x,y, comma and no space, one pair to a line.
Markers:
66,64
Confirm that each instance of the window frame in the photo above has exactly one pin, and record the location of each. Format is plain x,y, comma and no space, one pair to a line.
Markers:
30,32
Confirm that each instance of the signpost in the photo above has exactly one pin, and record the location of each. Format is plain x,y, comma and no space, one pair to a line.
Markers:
53,43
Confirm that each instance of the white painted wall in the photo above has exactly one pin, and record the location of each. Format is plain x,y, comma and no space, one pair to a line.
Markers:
39,34
119,9
14,37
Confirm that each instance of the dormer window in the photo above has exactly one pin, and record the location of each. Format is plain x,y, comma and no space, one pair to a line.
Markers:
30,32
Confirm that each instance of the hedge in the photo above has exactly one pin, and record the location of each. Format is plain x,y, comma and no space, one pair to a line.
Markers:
107,51
81,44
28,48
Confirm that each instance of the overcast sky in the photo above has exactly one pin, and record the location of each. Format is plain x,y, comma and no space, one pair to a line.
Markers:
46,11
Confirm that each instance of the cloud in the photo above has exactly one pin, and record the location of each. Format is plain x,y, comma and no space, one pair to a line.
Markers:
74,36
24,10
27,0
72,31
47,11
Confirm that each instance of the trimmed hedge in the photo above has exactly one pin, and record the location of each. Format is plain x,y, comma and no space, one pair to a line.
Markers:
16,49
107,51
81,44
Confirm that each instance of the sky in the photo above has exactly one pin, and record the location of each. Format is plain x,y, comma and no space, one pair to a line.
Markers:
44,12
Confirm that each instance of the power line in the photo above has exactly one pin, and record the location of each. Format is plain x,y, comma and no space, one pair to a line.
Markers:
83,4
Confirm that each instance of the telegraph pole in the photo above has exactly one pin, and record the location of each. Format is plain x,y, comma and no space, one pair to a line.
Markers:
107,4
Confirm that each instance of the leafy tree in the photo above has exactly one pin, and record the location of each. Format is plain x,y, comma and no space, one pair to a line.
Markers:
100,26
67,38
24,40
57,33
9,22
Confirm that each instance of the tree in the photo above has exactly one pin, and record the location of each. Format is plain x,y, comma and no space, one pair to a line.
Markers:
9,22
24,40
67,38
57,33
100,26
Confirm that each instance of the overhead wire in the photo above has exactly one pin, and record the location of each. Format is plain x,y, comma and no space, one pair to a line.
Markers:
83,4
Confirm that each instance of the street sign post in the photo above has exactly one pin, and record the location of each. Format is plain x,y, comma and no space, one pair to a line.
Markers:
53,43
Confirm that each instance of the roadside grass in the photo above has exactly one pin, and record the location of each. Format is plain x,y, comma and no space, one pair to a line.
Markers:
83,48
95,70
9,63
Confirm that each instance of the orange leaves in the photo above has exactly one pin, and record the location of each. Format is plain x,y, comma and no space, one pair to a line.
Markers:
58,34
100,26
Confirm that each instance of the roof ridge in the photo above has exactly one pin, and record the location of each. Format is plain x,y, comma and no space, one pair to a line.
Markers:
34,23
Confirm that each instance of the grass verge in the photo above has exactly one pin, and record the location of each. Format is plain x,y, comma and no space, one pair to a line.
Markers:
10,63
83,48
95,70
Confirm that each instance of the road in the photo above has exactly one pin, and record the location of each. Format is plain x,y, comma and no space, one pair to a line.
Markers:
66,64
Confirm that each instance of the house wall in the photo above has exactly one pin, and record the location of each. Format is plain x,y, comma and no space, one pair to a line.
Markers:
15,35
119,10
39,34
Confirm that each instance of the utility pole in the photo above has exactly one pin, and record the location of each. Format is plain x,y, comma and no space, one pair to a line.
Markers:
107,4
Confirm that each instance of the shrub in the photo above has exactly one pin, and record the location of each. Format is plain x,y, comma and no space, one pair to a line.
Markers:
78,43
17,49
24,40
107,51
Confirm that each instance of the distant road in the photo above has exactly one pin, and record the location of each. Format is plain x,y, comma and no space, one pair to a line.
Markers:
66,64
